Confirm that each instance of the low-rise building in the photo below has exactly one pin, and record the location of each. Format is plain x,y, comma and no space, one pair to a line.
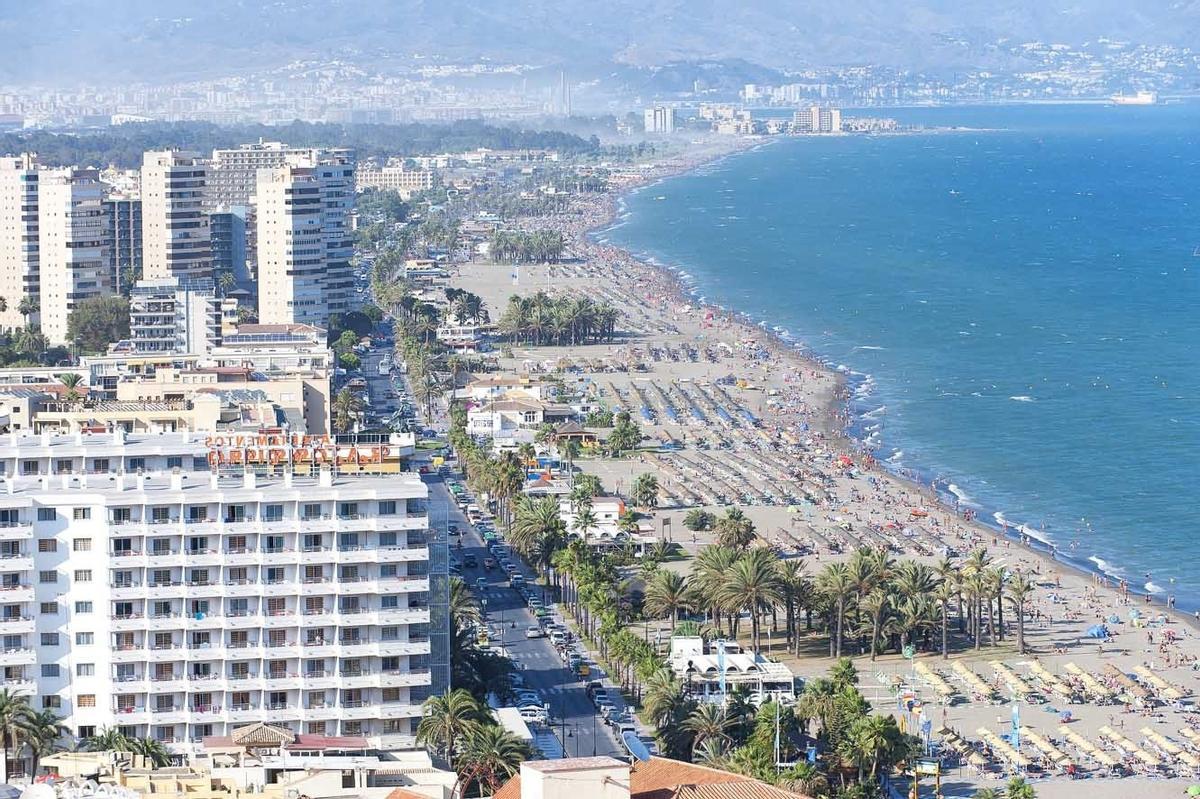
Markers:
503,418
709,668
394,176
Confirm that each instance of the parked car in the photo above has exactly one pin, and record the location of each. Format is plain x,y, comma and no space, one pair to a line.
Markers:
470,561
535,632
489,563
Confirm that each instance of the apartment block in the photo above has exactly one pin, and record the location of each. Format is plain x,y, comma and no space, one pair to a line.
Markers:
18,235
177,586
123,239
304,241
174,315
175,228
394,177
72,251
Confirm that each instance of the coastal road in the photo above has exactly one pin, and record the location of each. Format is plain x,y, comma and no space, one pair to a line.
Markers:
570,709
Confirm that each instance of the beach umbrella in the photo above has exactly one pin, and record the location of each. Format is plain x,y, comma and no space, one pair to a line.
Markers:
1114,619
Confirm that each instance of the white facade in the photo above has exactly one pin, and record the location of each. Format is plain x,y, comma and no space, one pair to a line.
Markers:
173,315
72,251
18,235
660,119
304,242
233,176
175,228
139,590
394,177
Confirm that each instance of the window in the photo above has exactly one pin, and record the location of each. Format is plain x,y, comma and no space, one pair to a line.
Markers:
85,639
387,508
391,694
100,465
351,728
52,700
49,608
79,514
86,700
47,544
275,574
389,602
123,610
121,515
120,546
174,462
47,515
199,464
272,513
160,515
83,575
387,570
63,467
29,467
49,639
48,577
82,545
136,464
85,669
49,669
387,539
312,511
83,606
86,730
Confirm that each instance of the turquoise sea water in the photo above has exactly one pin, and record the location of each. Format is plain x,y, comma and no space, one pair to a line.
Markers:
1018,306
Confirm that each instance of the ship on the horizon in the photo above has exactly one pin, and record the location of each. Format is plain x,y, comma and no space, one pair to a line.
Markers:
1141,98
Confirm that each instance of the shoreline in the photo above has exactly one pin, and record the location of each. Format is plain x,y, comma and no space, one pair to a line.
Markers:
840,418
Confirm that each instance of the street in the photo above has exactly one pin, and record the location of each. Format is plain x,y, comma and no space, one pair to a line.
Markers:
572,714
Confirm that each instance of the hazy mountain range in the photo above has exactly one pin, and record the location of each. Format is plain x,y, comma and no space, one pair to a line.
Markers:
77,40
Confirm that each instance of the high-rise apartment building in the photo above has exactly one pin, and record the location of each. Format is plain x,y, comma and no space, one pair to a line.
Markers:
174,315
71,240
659,119
233,175
18,235
304,241
394,177
123,239
154,585
175,234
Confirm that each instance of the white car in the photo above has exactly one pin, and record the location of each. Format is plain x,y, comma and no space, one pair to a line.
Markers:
535,632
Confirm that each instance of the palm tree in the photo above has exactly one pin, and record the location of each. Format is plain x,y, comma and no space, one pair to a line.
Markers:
151,749
754,584
662,697
490,757
1018,591
644,491
15,715
1018,788
71,381
109,739
837,584
875,741
45,730
708,577
347,408
464,610
708,721
876,605
27,307
447,719
666,594
537,530
585,521
942,595
735,530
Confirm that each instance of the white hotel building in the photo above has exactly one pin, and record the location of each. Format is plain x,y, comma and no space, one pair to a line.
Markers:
141,590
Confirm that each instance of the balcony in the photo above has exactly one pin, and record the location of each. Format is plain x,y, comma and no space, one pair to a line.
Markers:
402,679
15,592
393,742
19,686
403,554
16,625
16,563
21,656
16,531
399,710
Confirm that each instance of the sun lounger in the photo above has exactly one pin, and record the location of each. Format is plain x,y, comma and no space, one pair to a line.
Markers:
1052,682
1127,685
973,681
1003,747
1091,686
1161,687
942,688
1170,747
1019,687
1087,747
1129,746
1057,756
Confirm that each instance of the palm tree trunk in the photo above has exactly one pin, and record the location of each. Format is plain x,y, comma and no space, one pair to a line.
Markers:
945,631
841,611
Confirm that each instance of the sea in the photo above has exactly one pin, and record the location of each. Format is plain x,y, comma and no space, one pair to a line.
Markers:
1014,294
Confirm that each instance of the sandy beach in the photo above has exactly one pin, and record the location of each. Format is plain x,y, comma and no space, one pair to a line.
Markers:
749,420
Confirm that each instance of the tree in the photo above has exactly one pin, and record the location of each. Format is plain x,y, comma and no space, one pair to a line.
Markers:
71,381
1018,591
698,519
843,673
735,530
875,745
624,436
708,722
538,530
585,521
97,322
151,749
44,732
490,757
644,491
837,585
15,716
754,585
448,718
28,307
666,594
350,361
1018,788
347,408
